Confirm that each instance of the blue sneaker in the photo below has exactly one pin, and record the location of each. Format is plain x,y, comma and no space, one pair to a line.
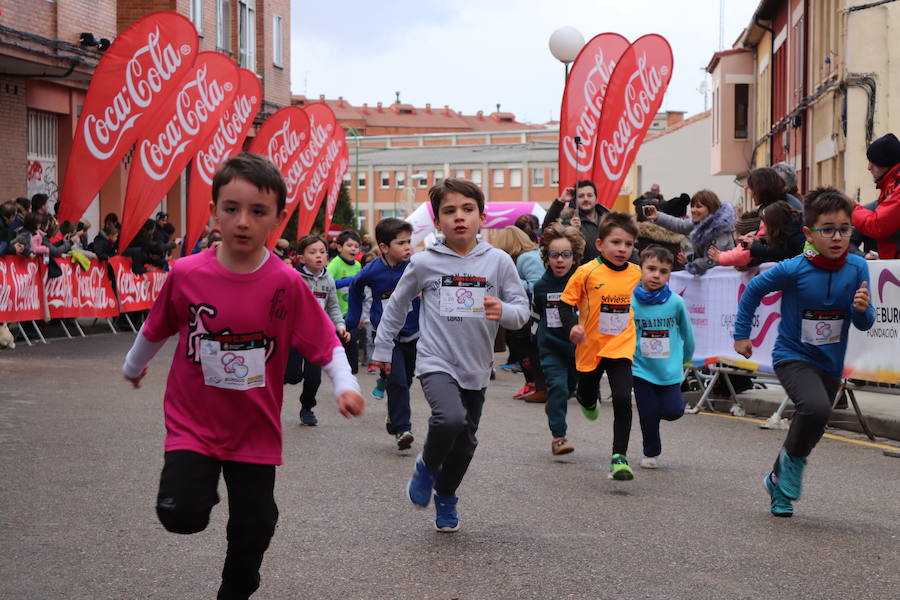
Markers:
378,390
446,519
781,505
790,475
308,417
421,484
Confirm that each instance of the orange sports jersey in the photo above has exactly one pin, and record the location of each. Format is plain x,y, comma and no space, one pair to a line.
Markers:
603,299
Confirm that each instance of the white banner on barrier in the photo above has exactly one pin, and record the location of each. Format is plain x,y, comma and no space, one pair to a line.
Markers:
872,355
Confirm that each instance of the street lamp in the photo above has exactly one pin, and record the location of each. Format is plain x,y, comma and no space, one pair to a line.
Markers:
353,131
565,44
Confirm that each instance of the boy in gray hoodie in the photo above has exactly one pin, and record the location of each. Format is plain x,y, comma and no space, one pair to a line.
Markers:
468,289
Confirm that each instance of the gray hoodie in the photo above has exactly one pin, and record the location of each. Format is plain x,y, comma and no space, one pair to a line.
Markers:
323,288
455,337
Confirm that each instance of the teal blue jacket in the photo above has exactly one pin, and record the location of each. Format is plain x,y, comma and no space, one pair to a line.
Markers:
665,340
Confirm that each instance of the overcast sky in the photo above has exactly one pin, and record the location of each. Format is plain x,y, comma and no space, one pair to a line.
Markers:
474,54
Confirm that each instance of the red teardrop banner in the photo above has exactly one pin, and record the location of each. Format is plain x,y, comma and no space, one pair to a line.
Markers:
170,141
281,139
582,104
636,91
336,178
222,144
134,79
317,160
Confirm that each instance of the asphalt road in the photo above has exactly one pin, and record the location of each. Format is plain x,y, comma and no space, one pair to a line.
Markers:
80,454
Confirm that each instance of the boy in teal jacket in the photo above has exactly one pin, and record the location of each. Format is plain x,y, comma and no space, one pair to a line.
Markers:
665,341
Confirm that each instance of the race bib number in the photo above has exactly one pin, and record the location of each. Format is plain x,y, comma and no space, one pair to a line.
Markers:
462,296
321,297
822,327
655,343
614,318
553,319
234,362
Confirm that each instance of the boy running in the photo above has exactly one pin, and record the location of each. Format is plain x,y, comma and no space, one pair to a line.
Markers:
468,288
604,330
342,268
381,277
237,309
823,291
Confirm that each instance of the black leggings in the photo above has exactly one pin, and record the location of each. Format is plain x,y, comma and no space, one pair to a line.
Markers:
812,391
187,494
618,372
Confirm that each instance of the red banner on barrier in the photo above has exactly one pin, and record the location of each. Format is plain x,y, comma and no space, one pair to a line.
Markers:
136,292
336,178
582,104
225,142
636,91
317,160
166,146
80,293
136,76
281,139
21,292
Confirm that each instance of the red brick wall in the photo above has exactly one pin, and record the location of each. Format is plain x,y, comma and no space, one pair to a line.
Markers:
13,123
276,80
130,11
34,17
75,16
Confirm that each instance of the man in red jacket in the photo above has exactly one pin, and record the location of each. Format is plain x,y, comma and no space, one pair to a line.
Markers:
883,222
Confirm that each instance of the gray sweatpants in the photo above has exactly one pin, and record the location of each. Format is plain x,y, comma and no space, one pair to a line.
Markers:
451,440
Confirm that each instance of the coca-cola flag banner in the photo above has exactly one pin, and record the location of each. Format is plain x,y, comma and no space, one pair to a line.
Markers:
317,160
171,139
79,292
225,142
336,178
135,78
582,104
635,93
281,139
21,292
136,292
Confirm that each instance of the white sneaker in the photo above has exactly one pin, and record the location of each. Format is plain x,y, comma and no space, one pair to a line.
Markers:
648,462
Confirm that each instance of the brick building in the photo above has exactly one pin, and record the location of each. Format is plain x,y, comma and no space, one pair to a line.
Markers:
46,64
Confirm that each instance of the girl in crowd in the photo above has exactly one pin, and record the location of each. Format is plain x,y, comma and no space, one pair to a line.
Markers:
782,239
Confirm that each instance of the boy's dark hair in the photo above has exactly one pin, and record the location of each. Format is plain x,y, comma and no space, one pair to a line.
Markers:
24,203
585,183
614,219
8,210
110,219
32,222
660,253
169,228
464,187
66,227
254,168
767,185
38,201
110,230
389,228
824,200
348,235
309,240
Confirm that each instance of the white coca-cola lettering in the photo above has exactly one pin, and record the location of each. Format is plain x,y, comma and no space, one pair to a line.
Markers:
133,289
336,185
145,73
226,137
59,289
318,135
194,103
283,145
320,175
26,288
630,125
5,289
581,156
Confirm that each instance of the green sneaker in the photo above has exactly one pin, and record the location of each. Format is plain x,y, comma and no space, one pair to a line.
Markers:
591,413
619,469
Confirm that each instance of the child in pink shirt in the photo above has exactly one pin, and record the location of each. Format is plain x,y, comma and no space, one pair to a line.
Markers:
237,309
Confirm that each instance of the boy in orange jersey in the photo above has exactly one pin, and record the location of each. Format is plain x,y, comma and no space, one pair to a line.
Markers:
604,331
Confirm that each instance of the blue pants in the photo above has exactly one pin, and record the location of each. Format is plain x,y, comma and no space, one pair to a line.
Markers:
561,377
396,385
656,403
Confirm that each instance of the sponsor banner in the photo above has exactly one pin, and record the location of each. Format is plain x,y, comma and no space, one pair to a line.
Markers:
712,302
21,292
635,93
281,139
336,178
80,293
872,355
225,142
135,78
316,160
497,215
135,292
582,104
171,139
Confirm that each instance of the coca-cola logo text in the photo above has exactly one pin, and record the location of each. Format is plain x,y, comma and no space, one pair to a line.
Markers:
320,175
581,156
226,137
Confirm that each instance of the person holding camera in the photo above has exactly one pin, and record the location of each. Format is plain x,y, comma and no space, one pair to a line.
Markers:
586,214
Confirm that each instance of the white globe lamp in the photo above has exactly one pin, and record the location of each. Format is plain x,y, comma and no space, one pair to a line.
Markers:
565,43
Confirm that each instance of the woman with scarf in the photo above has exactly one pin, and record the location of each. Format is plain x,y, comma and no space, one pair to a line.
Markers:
711,225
